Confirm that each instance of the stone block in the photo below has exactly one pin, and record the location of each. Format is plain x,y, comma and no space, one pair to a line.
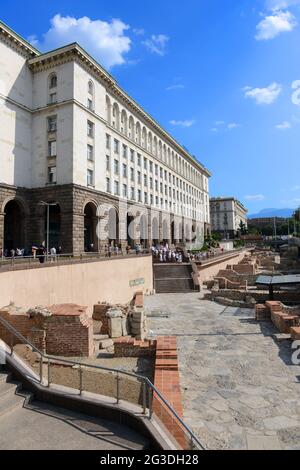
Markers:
106,343
115,327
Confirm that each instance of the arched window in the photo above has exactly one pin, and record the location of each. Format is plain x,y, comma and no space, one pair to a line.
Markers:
138,133
124,122
52,88
144,138
116,114
108,110
149,142
131,128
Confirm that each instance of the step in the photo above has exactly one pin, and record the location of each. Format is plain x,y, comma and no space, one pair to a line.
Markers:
8,388
5,376
9,402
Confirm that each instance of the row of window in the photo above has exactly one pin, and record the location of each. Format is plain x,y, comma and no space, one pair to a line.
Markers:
148,165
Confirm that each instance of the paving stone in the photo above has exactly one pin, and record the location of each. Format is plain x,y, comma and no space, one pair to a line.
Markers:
263,443
229,358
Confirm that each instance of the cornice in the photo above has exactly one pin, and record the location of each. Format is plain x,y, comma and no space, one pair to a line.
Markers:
76,53
13,40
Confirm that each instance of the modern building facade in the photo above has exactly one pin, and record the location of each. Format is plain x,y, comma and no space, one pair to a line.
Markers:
226,216
72,138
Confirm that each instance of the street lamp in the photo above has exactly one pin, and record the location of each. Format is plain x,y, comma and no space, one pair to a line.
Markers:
47,204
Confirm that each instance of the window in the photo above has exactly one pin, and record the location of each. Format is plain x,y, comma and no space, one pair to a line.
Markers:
132,196
52,124
156,200
132,174
124,190
116,188
151,199
165,174
145,198
151,167
116,146
90,129
52,174
90,88
52,81
145,180
107,141
139,177
156,185
124,170
107,163
145,163
116,167
124,151
161,187
156,170
139,159
52,148
90,177
151,183
90,104
131,155
107,185
161,172
90,153
139,195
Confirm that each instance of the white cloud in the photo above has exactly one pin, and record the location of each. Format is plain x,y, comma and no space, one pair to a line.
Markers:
255,197
157,43
186,123
214,129
220,123
139,31
266,95
175,87
106,41
283,125
232,125
275,23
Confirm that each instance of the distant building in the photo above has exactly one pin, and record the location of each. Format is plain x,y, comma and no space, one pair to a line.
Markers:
265,221
226,215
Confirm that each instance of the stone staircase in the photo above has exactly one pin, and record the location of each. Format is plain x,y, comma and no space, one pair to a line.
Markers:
173,277
9,399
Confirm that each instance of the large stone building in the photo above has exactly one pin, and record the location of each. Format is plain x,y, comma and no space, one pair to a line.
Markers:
70,136
226,216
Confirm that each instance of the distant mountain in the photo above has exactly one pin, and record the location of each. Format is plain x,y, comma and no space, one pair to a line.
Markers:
272,213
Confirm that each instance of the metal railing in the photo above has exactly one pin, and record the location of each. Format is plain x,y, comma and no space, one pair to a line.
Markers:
149,391
42,260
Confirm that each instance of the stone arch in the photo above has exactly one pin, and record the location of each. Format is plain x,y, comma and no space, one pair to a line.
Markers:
15,212
90,226
131,128
144,138
124,122
155,230
116,116
138,133
108,109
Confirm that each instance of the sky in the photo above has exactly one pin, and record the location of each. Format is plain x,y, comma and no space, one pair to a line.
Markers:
222,76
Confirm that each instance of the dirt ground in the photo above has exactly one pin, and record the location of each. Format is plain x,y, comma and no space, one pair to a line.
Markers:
104,383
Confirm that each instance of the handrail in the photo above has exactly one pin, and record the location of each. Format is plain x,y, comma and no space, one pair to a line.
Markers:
144,379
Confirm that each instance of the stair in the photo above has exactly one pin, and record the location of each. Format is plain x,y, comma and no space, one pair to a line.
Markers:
172,278
9,400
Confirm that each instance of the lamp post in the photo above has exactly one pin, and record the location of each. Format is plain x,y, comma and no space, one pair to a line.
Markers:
47,204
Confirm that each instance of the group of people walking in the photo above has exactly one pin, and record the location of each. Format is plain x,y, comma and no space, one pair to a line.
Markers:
164,254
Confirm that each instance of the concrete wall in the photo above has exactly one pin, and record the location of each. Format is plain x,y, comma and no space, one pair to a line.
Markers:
207,272
80,283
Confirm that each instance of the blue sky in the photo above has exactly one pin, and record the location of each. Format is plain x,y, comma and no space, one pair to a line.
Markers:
223,76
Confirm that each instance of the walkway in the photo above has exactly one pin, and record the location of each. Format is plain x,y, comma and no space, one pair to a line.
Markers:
45,427
239,387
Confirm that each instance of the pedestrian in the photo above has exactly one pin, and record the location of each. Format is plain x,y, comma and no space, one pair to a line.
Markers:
41,254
